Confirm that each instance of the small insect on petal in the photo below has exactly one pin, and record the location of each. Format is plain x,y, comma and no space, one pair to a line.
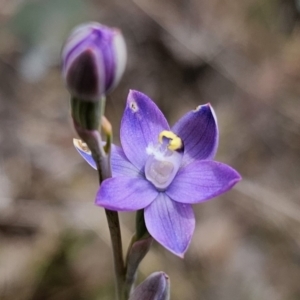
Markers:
134,107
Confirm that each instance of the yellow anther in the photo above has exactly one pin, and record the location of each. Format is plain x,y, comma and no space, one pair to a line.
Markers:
175,142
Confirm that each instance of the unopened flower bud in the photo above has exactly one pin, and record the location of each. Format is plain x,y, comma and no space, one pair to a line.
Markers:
93,60
135,255
155,287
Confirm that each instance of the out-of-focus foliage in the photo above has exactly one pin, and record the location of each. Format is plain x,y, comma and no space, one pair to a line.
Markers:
243,57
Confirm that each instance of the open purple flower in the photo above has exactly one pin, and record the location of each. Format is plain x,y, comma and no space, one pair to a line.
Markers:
164,171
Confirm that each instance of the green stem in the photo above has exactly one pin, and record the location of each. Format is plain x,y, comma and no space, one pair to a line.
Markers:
87,116
104,172
115,235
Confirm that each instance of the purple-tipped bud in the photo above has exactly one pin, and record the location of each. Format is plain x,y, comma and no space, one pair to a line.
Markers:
93,60
155,287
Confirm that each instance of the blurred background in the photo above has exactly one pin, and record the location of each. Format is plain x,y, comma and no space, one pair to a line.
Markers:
242,56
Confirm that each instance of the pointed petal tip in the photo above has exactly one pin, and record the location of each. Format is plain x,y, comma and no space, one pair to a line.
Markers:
213,113
166,276
237,179
131,91
209,105
202,106
161,274
206,107
135,99
85,152
236,176
210,108
180,254
132,94
136,96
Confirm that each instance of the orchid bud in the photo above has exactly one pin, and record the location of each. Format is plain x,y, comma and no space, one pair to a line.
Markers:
93,61
135,255
155,287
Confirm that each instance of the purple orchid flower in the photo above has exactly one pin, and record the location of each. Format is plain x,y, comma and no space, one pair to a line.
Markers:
164,171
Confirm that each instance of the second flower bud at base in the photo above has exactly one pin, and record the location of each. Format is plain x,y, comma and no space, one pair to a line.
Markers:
155,287
93,61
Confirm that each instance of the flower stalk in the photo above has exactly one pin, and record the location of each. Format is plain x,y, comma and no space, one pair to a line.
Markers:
93,62
86,116
112,216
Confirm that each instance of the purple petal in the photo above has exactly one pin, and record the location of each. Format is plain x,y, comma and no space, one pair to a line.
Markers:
202,180
199,131
172,224
125,193
84,152
141,124
120,165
